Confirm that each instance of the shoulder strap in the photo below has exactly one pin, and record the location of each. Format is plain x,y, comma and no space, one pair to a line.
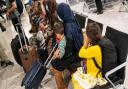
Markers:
96,64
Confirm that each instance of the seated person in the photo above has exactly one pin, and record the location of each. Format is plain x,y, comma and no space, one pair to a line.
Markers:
90,50
63,57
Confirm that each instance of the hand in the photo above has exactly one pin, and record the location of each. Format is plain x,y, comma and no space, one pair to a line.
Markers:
86,40
56,54
7,14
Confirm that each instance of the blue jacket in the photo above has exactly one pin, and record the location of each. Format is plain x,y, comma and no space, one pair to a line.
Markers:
71,26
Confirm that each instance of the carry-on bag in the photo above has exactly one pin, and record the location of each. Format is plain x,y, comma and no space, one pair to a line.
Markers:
15,46
37,72
27,53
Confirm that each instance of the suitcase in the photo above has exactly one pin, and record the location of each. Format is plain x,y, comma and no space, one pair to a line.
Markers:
37,72
27,53
15,46
28,58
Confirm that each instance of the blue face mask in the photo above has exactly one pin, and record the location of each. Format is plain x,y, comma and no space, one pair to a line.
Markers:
60,19
47,8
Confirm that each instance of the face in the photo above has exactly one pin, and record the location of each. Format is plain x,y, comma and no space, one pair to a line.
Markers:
58,36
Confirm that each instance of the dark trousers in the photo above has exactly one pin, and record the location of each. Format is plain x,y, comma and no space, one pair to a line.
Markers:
99,5
1,15
14,22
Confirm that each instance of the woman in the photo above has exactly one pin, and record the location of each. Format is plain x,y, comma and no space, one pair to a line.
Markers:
71,26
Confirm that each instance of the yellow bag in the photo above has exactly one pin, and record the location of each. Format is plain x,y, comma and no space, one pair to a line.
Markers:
86,81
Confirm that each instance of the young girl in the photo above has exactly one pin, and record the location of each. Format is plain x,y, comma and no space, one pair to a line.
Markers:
90,50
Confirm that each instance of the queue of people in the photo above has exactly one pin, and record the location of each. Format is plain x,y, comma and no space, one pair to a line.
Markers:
74,46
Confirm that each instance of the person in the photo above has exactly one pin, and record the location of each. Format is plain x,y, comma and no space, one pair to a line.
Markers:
35,16
50,9
63,57
1,12
13,14
90,48
99,7
88,52
72,28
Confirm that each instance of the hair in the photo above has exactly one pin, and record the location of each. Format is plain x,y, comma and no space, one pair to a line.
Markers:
51,10
93,31
39,9
58,28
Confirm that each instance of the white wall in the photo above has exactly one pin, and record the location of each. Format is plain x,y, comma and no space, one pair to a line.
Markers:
60,1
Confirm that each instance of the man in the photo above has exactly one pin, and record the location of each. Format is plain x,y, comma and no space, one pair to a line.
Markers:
99,7
13,14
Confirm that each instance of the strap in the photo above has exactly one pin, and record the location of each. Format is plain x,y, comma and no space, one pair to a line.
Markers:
96,64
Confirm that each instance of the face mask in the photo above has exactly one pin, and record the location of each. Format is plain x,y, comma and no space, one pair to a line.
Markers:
47,8
57,39
60,19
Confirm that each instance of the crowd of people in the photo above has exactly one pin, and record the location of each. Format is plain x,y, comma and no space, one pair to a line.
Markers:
55,23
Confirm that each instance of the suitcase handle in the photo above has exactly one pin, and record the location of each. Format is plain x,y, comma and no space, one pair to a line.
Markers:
26,49
50,56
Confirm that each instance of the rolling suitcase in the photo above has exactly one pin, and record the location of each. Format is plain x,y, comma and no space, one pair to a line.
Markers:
15,46
27,53
37,72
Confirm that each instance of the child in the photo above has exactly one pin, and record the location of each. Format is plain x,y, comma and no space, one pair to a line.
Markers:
90,50
63,57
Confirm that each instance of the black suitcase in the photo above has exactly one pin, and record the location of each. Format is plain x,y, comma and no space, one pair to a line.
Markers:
37,72
15,46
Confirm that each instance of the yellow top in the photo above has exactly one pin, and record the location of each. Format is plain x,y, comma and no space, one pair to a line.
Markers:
89,53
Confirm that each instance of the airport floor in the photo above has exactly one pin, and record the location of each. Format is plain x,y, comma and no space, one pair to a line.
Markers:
11,76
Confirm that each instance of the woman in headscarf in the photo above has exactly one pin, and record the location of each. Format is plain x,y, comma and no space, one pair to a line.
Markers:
71,26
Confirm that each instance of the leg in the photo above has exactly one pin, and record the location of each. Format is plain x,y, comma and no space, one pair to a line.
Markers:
14,22
2,16
99,5
59,79
57,68
2,27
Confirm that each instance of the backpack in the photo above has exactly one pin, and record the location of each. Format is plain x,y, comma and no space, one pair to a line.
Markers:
109,57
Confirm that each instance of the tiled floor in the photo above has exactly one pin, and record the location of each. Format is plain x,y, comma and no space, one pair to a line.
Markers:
11,77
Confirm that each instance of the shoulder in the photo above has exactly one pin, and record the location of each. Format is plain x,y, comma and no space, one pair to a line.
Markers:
95,47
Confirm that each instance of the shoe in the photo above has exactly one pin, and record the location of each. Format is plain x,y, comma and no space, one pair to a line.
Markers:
101,12
3,28
95,11
6,63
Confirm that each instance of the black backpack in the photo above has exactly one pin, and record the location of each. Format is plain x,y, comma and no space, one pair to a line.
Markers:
109,57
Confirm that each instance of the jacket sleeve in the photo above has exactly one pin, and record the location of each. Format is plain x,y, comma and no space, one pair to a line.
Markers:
89,52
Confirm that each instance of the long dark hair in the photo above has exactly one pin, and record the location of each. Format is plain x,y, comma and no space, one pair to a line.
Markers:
93,31
50,7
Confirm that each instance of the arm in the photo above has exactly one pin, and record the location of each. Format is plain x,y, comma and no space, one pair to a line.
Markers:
89,52
12,8
61,47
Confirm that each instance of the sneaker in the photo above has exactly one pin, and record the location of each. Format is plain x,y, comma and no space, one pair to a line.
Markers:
101,12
